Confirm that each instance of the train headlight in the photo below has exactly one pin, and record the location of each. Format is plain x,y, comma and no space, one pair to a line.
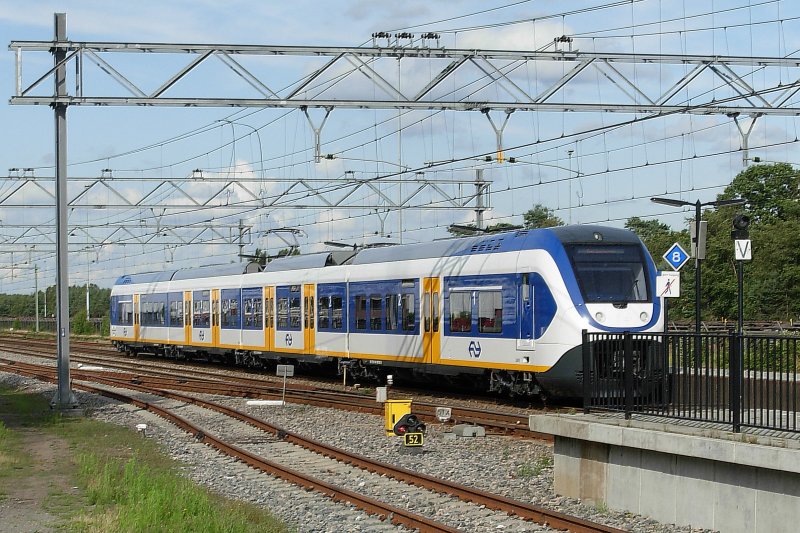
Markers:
644,316
599,316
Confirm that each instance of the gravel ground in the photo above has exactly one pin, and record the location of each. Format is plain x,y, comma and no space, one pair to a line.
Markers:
517,468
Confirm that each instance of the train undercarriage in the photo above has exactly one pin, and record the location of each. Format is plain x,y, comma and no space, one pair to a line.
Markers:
502,382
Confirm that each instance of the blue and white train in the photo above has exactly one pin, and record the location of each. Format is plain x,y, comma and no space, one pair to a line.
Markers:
506,310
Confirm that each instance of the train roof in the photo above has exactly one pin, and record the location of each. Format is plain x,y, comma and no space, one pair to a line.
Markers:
406,252
577,234
213,271
318,260
188,273
495,242
146,277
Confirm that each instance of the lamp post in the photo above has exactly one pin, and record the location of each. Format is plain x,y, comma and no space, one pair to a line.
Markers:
698,205
36,293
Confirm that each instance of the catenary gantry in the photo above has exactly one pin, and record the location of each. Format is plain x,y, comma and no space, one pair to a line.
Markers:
467,67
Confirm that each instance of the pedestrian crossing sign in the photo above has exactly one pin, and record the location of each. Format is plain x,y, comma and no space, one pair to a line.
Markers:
668,284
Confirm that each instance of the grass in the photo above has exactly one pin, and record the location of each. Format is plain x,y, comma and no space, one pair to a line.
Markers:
529,470
126,483
24,413
141,498
6,458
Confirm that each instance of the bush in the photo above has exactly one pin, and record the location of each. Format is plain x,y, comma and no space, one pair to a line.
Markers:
80,325
105,326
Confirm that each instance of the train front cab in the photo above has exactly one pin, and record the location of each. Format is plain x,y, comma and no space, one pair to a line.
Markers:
609,279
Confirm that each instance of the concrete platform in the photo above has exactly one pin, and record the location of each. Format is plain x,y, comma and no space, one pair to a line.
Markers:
687,475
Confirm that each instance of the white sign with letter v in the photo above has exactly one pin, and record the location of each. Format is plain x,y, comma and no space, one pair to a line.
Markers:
744,252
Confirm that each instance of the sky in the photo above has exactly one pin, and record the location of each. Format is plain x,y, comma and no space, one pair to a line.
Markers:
589,167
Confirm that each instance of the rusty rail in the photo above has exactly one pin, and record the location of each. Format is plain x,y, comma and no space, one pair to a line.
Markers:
526,511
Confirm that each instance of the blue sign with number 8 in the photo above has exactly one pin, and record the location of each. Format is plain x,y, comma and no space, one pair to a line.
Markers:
676,256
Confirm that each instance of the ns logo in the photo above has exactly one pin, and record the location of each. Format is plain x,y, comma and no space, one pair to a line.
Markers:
474,349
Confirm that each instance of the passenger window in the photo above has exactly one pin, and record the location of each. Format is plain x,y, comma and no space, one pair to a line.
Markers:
258,313
175,313
426,310
490,311
247,312
336,312
461,311
202,309
392,305
294,312
361,312
375,312
526,288
324,312
226,314
283,313
230,313
435,311
407,311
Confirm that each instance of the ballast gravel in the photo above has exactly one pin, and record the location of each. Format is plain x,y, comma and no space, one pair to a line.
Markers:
516,468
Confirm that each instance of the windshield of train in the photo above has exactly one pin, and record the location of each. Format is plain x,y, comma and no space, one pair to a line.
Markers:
610,273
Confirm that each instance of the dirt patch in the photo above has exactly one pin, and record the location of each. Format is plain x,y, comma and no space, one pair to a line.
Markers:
38,480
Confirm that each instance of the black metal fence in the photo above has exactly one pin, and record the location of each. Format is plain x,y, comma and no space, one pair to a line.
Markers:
740,380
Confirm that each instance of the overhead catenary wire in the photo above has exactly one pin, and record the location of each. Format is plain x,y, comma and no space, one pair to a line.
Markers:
544,147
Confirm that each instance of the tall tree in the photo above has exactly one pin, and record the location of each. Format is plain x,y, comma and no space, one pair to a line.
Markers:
658,238
541,217
772,277
771,192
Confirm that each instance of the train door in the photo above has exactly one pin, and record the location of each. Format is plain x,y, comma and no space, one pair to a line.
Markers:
525,309
201,317
431,311
215,321
136,317
309,322
269,318
187,317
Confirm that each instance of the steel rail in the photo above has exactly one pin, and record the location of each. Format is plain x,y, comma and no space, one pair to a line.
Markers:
526,511
499,421
396,515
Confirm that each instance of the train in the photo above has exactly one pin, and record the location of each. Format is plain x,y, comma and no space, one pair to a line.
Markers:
504,312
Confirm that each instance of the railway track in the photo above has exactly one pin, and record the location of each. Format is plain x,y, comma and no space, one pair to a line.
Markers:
193,379
317,463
